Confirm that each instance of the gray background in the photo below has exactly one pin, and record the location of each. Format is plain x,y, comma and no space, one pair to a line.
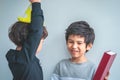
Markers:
102,15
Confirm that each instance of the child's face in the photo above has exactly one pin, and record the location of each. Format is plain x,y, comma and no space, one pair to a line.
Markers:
77,47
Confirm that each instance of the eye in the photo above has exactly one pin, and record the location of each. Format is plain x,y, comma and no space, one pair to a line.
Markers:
79,43
70,41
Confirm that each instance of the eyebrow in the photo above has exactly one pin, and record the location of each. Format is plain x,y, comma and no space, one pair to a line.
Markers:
77,41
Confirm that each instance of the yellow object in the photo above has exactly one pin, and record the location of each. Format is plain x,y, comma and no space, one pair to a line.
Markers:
27,16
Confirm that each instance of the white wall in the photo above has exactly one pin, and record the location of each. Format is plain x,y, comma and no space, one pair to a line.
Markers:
102,15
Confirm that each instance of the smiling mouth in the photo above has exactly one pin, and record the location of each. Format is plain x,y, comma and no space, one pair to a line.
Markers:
74,51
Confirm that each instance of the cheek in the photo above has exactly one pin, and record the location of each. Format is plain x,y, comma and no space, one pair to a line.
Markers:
39,47
69,48
68,45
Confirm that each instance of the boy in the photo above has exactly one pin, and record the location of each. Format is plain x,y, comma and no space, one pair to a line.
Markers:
28,37
79,39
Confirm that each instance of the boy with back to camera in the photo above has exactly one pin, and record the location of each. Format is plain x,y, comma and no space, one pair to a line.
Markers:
79,40
28,37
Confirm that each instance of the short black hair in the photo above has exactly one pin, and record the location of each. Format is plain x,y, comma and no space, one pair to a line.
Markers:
81,28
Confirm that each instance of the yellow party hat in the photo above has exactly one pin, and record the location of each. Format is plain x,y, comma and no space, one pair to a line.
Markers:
27,17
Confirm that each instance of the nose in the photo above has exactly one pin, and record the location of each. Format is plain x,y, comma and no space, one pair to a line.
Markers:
74,46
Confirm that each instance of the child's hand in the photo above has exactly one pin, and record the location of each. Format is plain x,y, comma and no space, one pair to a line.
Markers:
32,1
106,77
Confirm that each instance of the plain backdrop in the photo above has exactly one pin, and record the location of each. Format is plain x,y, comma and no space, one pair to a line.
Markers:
102,15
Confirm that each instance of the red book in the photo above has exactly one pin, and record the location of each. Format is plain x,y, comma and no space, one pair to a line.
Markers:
104,65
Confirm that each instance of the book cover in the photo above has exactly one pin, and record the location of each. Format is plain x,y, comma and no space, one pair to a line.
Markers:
104,65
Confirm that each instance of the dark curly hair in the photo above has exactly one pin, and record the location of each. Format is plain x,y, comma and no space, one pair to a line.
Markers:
18,33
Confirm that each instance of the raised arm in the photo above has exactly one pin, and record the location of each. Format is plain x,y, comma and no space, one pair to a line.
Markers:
35,30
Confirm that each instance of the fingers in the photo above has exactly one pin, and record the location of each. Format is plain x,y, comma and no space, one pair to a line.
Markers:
106,77
32,1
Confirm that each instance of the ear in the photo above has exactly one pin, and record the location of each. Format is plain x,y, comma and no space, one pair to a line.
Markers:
89,46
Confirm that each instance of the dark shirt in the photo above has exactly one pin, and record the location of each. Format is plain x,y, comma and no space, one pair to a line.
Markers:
23,64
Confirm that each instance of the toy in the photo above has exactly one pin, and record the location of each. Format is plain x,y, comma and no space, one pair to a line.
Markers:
27,16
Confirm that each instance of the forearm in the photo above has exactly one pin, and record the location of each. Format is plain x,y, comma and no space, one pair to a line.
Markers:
37,18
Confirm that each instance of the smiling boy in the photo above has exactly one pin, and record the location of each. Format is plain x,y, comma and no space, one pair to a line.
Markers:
79,40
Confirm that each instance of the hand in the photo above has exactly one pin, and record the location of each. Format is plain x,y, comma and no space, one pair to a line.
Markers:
32,1
106,77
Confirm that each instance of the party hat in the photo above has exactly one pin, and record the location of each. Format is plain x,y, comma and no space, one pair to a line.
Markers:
27,16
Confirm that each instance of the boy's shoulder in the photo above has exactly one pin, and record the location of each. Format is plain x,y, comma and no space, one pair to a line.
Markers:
64,61
67,61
